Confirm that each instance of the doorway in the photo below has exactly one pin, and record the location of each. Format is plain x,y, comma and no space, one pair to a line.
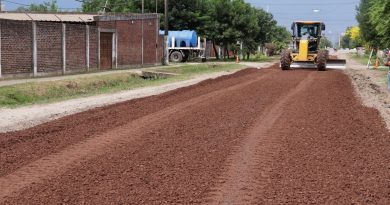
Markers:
106,54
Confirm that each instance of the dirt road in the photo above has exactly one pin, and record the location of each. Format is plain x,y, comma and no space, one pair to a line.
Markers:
254,137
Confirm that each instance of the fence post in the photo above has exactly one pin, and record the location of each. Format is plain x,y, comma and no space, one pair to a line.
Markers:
98,49
63,48
34,34
87,46
0,48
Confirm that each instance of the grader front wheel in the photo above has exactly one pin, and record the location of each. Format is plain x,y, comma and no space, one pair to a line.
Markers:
321,60
285,60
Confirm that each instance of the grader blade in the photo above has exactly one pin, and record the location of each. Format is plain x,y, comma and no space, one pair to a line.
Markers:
336,63
303,64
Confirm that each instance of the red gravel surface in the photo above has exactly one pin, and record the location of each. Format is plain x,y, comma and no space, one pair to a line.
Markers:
254,137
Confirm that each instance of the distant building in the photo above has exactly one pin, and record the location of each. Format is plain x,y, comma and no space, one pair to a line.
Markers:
36,44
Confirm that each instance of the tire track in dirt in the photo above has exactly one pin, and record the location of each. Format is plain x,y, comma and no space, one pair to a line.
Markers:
20,148
324,148
333,149
57,163
240,183
174,160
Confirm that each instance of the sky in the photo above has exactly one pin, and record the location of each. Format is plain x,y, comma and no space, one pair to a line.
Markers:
337,14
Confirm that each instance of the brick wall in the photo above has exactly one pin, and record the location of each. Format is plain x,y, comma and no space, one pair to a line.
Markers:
150,35
16,42
129,42
16,46
107,24
160,49
49,47
75,47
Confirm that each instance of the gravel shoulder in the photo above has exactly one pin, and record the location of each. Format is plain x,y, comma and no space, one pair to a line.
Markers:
29,116
370,86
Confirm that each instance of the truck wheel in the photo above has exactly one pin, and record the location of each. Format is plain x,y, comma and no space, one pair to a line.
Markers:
321,60
285,60
176,57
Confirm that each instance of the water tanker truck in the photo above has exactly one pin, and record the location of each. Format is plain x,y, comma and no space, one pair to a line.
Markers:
185,45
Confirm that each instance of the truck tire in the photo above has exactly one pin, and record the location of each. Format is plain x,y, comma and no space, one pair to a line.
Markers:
321,61
285,60
176,57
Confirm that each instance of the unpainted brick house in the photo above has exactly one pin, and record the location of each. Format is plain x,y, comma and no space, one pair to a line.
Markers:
34,44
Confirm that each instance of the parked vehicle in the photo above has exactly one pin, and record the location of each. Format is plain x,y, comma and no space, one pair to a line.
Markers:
185,45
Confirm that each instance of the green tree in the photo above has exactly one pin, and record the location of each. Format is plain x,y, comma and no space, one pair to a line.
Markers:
325,43
352,38
379,15
267,27
280,37
44,7
245,26
368,33
224,22
134,6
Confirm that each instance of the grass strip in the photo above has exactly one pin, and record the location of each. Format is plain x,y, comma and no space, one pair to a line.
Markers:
54,91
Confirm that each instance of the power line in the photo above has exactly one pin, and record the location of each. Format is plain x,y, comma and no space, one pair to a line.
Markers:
308,4
27,5
16,3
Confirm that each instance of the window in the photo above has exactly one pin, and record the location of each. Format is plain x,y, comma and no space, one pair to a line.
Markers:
308,30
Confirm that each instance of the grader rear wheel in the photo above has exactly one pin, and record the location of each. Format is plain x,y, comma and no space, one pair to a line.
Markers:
285,60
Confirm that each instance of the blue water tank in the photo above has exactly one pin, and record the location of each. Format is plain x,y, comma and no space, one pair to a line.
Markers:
185,38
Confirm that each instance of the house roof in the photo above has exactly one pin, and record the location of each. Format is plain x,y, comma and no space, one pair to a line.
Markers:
60,17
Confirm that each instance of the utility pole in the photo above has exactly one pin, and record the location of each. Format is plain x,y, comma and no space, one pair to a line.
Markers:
339,41
157,31
142,25
1,5
105,6
340,37
166,50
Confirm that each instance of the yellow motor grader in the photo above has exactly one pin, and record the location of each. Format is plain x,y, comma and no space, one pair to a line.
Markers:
304,51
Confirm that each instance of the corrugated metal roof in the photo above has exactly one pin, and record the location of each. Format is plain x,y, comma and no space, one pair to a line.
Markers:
128,16
48,17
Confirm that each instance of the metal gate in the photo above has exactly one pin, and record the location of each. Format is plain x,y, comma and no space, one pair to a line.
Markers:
106,50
